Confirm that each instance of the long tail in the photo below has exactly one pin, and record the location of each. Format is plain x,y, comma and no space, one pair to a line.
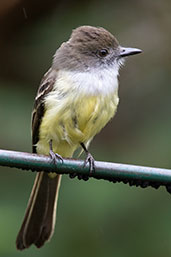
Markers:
39,220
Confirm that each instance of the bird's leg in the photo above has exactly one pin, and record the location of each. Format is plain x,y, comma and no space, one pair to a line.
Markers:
54,156
89,159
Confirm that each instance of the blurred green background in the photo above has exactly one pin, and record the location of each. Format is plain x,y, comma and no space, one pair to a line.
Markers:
95,218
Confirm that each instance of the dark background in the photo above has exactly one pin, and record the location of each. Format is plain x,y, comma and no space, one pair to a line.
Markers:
95,218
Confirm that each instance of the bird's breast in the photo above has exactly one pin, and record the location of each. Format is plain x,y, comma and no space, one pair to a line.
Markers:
74,114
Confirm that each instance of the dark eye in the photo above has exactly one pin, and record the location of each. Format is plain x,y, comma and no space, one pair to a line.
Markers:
103,52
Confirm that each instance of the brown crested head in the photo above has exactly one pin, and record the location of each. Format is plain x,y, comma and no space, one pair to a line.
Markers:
93,38
89,47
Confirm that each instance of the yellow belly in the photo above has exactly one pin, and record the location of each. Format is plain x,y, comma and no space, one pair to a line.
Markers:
73,120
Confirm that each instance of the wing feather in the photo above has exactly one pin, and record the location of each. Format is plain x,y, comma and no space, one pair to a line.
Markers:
45,87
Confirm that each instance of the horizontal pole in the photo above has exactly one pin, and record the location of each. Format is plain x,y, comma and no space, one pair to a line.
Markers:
115,172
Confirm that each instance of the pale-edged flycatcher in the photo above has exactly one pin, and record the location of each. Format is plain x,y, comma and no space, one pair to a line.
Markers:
76,99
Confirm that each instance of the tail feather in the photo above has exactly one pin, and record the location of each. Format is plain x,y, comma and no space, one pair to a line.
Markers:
39,221
50,217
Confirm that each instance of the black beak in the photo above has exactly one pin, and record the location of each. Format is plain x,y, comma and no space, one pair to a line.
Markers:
126,51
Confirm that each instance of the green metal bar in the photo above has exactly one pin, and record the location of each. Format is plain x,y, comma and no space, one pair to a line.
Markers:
115,172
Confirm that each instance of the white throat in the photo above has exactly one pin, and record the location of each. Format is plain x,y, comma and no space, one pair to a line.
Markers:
92,82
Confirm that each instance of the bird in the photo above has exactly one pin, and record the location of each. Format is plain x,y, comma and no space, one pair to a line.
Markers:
76,98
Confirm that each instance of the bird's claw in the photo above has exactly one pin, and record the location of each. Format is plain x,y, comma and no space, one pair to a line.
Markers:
89,159
55,157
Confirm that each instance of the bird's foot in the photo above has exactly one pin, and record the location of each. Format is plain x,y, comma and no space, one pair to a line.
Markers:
89,159
54,156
